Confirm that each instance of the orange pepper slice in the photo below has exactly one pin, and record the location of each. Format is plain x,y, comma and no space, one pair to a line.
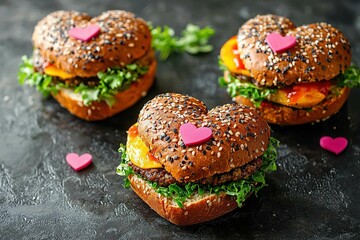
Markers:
230,56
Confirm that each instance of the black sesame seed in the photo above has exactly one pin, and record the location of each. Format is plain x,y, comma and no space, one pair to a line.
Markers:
162,136
250,134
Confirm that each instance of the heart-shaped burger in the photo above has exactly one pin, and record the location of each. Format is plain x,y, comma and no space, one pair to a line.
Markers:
95,67
192,183
292,75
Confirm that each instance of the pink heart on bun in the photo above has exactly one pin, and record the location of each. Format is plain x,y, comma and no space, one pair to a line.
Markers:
194,136
278,43
85,34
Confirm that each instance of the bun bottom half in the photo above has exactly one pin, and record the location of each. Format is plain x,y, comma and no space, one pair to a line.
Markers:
283,115
197,210
100,110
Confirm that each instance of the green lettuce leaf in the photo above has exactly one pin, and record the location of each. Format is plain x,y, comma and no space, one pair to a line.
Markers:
350,78
239,189
112,81
43,83
246,89
193,40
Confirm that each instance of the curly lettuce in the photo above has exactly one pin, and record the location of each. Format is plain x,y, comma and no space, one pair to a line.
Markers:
111,81
235,87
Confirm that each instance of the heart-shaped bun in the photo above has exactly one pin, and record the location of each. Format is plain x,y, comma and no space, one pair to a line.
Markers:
94,67
240,135
222,160
123,38
292,75
321,51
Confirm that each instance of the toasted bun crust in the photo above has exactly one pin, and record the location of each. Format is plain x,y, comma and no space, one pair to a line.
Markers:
199,210
283,115
100,110
321,51
240,135
123,38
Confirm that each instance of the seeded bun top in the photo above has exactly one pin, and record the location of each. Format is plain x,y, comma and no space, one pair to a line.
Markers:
240,135
321,51
123,39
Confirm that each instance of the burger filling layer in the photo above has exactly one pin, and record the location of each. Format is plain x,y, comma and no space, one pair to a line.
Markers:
103,87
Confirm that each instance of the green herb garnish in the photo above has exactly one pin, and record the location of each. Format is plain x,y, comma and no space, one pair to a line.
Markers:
246,89
350,78
111,81
239,189
193,40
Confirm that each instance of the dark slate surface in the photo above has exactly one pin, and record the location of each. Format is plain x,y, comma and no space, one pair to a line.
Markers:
313,195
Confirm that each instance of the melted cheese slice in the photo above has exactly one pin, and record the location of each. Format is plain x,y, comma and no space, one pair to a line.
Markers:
138,152
230,56
51,70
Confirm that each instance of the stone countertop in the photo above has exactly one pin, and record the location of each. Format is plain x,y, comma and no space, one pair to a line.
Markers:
313,195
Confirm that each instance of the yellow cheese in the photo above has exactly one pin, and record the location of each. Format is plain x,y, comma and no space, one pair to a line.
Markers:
138,152
51,70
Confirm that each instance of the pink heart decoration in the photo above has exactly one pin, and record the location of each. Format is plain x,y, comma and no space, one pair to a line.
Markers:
84,34
194,136
334,145
279,43
78,162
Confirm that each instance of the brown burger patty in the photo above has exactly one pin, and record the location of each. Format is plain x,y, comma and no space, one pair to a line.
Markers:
164,178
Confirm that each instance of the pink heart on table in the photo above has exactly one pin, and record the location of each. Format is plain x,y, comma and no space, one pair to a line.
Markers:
334,145
194,136
84,34
278,43
78,162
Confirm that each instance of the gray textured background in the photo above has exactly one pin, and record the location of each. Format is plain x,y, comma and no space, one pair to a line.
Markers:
314,194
